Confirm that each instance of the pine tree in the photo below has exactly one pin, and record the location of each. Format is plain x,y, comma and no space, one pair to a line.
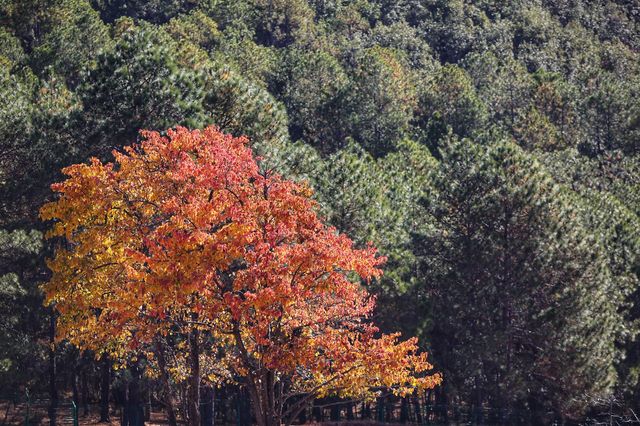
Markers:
529,310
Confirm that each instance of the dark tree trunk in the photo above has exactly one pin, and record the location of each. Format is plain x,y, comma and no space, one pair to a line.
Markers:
84,387
404,411
194,378
366,411
74,386
244,408
273,414
105,382
134,409
389,409
442,404
380,409
147,405
222,410
184,399
53,390
302,417
350,411
478,404
207,407
334,414
119,396
316,412
416,404
169,402
258,402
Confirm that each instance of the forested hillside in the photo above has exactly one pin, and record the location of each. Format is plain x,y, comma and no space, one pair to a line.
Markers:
489,149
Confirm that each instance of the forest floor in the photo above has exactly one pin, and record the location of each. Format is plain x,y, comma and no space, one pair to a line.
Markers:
12,414
15,414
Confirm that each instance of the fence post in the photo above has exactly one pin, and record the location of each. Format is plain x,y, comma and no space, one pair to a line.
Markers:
74,411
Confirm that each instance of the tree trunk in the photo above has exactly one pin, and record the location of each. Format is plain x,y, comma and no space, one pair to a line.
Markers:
147,405
74,386
257,402
184,399
105,382
302,417
334,412
317,413
263,402
380,402
271,412
207,414
254,384
134,413
404,410
223,404
84,387
194,378
416,404
388,409
366,411
442,404
478,405
169,402
53,391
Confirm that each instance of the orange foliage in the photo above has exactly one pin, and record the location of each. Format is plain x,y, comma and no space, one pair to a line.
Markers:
185,232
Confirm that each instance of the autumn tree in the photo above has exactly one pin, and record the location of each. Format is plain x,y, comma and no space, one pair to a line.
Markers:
184,236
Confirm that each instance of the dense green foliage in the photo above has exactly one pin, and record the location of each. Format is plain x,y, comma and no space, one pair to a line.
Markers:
490,149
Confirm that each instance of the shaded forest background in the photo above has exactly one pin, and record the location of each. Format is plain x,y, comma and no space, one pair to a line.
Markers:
489,149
